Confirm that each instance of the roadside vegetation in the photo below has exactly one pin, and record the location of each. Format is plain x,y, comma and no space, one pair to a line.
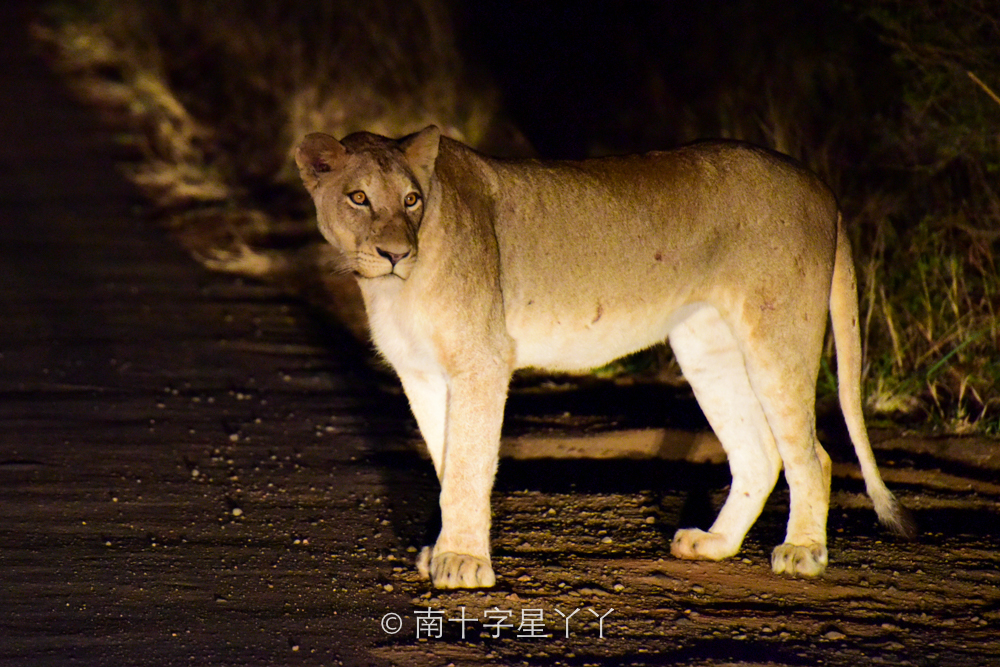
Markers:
932,285
896,103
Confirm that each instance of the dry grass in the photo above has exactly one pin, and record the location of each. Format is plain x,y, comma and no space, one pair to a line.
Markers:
210,97
215,94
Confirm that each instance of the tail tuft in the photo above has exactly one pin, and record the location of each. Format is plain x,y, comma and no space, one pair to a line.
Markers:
894,514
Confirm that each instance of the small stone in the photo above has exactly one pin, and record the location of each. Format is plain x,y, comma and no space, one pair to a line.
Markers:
834,635
237,511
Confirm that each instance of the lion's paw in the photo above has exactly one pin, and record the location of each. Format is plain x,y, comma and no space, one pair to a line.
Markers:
799,561
694,544
452,570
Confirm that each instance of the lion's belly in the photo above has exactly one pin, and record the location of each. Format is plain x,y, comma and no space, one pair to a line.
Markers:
564,342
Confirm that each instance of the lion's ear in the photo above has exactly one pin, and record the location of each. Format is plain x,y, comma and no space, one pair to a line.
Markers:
421,150
318,153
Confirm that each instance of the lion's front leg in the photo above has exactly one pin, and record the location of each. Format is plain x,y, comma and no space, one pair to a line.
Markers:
427,393
461,556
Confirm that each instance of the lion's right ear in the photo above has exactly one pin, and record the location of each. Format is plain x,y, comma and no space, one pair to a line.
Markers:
421,151
318,153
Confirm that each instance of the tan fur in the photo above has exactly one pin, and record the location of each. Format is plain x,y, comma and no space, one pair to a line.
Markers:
472,267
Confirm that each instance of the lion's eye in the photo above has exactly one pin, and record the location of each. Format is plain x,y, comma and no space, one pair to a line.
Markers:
411,199
359,198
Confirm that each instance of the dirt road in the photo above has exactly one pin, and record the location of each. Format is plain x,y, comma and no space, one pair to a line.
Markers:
195,470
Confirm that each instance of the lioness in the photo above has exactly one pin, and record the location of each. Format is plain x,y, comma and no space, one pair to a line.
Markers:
472,267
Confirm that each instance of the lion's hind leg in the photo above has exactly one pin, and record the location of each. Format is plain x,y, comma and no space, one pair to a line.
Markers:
785,384
710,357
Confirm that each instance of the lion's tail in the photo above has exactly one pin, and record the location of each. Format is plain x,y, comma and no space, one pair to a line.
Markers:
847,336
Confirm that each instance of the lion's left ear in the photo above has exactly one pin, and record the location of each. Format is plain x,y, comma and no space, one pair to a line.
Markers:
421,151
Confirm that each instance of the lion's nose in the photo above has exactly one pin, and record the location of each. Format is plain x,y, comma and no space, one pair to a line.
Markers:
393,257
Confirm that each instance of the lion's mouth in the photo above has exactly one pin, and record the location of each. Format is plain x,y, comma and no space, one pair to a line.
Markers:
387,275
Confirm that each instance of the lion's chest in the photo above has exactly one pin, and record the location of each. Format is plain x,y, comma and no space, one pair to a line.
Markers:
397,329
